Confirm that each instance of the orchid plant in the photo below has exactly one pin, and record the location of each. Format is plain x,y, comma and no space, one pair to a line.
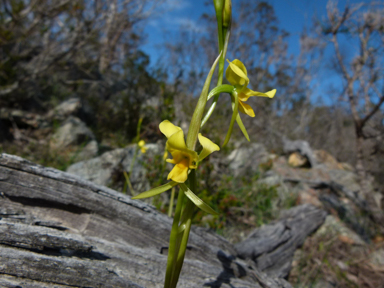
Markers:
185,158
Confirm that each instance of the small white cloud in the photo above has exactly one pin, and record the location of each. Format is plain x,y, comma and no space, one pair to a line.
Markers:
175,24
184,23
176,4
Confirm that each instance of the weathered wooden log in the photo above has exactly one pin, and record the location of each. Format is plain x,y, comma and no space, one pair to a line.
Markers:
57,230
272,246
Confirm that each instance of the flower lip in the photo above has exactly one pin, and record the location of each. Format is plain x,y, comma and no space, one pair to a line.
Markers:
182,157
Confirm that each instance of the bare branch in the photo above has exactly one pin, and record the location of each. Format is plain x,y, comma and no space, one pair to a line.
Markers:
373,111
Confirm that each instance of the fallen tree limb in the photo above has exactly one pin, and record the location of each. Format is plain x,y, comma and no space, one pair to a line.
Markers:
57,230
271,247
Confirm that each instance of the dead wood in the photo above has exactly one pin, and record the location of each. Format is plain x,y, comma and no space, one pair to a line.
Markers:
271,247
57,230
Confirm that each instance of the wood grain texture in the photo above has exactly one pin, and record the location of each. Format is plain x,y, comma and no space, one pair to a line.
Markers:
272,246
57,230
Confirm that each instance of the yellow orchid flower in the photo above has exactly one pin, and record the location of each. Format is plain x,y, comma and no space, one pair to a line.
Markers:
236,74
142,147
183,158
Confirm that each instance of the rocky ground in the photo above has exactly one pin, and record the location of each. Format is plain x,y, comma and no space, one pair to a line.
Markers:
345,249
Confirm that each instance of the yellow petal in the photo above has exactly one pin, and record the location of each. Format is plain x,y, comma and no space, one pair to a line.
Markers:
179,173
271,93
208,147
236,73
143,149
179,151
177,156
176,141
246,109
141,143
168,129
246,93
241,66
176,146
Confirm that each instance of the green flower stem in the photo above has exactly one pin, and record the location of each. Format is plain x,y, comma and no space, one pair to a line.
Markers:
128,182
235,105
184,209
170,209
216,92
173,249
220,75
194,126
220,89
188,212
137,138
181,228
186,221
219,5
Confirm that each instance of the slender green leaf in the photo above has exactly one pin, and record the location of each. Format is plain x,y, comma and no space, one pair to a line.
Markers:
174,244
196,200
235,106
197,116
241,125
156,191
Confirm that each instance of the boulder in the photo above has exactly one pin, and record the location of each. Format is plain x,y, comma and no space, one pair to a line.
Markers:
297,160
345,178
107,169
245,160
323,157
334,227
73,132
89,151
23,119
301,147
377,258
70,107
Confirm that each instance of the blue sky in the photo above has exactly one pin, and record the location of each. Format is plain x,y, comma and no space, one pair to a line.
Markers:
292,15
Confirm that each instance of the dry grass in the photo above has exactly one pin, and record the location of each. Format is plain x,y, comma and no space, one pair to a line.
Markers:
336,261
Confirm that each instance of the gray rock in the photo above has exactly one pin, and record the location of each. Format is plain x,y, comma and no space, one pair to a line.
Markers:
302,147
377,258
246,159
347,179
23,119
334,227
70,107
271,178
89,151
107,169
71,133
